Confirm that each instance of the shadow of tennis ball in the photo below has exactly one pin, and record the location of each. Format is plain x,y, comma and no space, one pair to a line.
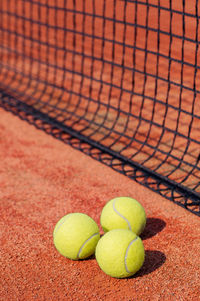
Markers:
153,261
153,226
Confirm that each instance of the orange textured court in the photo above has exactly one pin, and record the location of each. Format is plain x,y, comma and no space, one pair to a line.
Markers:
124,75
41,180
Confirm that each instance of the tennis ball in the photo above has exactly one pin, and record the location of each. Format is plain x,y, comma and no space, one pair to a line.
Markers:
120,253
76,235
123,213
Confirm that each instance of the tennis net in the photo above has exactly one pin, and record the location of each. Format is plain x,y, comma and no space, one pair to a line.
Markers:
117,79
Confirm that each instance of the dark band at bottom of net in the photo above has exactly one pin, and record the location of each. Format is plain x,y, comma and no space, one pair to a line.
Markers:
173,191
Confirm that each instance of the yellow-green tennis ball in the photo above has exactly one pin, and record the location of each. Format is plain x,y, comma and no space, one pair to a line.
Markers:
123,213
76,235
120,253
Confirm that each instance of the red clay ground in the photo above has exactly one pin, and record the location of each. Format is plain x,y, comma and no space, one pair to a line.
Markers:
42,179
111,70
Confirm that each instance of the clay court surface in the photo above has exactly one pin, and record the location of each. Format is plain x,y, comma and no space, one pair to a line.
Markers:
78,68
42,179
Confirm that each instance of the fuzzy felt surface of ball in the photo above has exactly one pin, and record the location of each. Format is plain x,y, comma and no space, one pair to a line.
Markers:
120,253
123,213
75,236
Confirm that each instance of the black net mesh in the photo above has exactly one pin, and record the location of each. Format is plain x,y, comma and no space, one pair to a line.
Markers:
117,79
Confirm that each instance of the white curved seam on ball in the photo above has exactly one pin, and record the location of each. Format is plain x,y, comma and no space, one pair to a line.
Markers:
114,208
81,248
126,255
61,224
